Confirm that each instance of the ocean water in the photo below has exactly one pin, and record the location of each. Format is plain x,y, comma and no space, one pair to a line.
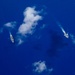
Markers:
47,42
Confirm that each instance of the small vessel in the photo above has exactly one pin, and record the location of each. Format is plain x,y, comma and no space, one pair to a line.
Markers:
64,32
11,37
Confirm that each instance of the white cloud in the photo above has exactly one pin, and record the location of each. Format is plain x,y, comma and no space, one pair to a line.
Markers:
10,25
43,26
20,41
72,38
40,67
31,17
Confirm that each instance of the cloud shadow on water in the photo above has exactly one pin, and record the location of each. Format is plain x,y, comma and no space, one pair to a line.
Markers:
57,43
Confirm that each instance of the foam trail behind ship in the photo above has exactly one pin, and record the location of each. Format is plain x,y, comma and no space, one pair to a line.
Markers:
62,29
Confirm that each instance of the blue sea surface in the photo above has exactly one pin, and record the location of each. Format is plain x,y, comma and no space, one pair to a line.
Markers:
52,46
